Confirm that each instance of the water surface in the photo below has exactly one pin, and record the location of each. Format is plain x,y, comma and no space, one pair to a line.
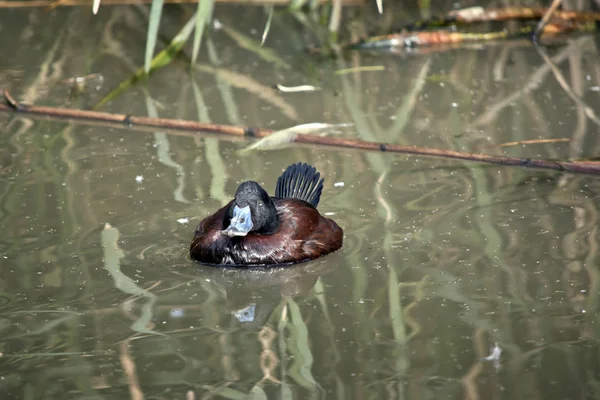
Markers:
443,260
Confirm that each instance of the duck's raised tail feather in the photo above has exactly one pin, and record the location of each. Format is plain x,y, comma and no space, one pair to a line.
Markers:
300,181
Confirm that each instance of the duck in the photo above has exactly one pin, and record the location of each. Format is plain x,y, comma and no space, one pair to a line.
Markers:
255,229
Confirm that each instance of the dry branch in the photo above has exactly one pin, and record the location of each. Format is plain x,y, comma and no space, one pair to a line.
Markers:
131,122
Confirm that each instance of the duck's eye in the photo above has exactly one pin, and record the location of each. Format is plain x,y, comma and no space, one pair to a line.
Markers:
242,220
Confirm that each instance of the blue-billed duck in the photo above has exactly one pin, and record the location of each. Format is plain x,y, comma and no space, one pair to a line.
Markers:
255,229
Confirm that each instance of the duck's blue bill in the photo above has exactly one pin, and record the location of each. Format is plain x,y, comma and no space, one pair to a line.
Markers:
241,222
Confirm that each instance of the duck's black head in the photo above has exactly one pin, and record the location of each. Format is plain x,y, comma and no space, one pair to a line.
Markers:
252,210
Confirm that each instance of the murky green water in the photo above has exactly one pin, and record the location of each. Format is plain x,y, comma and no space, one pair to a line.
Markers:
442,259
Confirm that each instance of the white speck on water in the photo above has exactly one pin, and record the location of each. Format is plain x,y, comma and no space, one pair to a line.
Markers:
454,104
183,220
339,184
139,179
330,213
595,88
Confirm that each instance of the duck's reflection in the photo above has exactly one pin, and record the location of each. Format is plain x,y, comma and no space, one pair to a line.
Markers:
251,294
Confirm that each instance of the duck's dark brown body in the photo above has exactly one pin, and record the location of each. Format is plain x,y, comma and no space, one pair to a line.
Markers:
303,235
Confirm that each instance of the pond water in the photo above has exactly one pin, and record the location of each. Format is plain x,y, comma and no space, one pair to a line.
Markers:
444,262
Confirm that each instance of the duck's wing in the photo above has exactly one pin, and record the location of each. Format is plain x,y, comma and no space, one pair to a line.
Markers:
300,181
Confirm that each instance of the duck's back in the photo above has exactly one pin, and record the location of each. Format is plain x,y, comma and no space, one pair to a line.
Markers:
303,235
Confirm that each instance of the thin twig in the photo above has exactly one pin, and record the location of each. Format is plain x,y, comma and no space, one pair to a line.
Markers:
546,18
530,141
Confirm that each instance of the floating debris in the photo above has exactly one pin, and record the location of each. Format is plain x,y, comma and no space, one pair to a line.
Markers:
443,30
301,88
284,137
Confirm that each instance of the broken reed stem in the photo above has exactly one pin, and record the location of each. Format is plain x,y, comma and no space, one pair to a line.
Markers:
145,123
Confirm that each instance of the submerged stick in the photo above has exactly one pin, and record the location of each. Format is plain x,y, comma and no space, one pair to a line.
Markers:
129,121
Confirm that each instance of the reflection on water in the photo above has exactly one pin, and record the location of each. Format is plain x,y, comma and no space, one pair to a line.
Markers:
444,263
